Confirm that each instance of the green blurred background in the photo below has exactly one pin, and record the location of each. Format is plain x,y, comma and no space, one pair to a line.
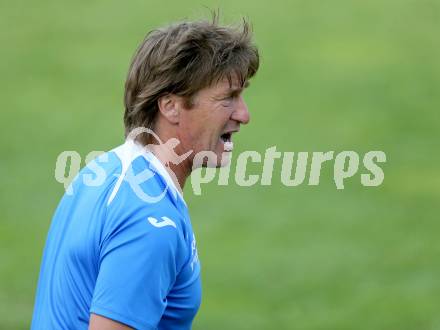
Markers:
335,75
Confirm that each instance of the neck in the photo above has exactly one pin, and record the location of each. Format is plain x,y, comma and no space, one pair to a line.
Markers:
170,152
178,171
181,174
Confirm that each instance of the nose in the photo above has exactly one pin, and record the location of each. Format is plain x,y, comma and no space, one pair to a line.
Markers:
241,112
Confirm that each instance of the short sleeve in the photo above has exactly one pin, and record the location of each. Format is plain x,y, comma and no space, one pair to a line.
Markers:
138,265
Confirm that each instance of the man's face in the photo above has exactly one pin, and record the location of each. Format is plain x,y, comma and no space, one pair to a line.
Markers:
216,115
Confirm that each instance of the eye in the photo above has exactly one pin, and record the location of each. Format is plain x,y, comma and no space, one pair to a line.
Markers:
227,101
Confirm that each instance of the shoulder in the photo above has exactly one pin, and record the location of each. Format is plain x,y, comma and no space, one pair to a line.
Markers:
136,206
145,216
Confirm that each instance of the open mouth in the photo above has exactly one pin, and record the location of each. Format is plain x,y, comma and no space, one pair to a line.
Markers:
228,145
226,137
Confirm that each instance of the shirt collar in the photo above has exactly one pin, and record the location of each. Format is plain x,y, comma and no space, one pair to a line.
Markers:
138,149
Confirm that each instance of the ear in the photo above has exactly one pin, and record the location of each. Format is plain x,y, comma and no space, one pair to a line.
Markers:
169,108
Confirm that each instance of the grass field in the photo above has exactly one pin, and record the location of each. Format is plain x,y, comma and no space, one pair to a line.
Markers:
335,75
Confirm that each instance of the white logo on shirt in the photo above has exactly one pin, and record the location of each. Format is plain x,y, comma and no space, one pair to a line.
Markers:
194,254
159,224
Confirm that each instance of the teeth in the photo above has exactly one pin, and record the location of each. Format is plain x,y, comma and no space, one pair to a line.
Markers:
228,146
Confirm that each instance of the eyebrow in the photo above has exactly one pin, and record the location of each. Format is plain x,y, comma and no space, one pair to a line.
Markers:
235,91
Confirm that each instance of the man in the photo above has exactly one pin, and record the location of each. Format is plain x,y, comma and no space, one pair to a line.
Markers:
121,252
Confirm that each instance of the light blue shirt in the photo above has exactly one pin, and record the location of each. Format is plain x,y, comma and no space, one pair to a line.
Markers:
120,245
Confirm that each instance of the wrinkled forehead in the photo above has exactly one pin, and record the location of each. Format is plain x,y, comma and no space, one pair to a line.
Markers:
227,85
230,83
